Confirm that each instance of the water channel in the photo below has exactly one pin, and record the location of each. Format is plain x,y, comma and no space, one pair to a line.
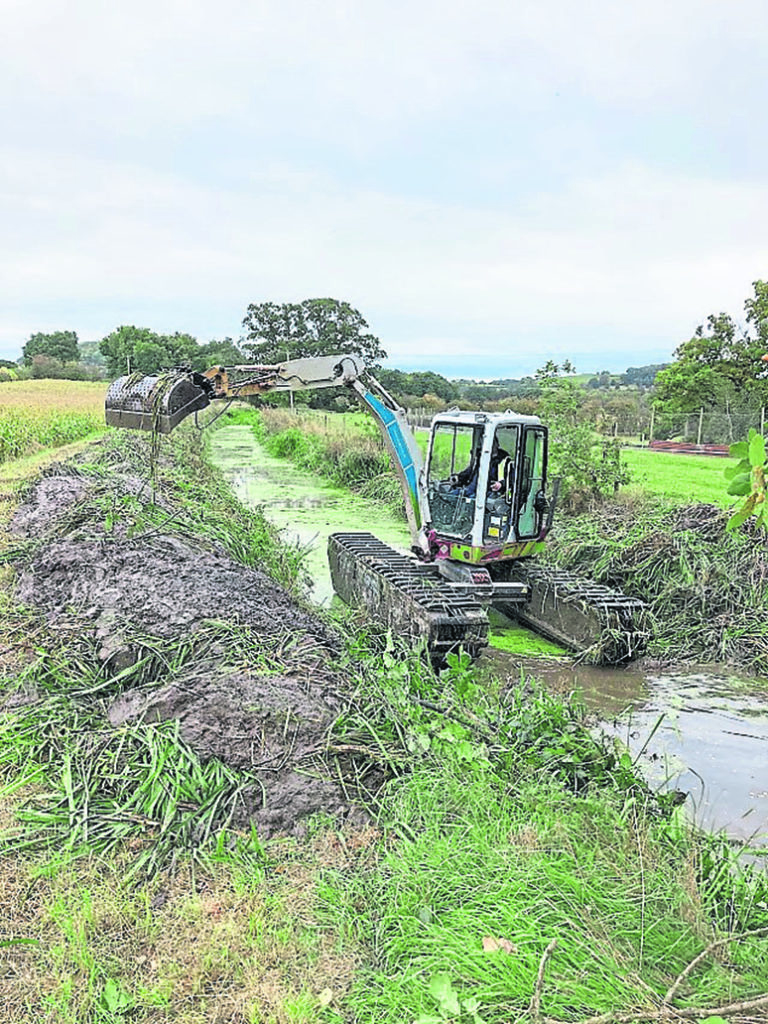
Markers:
703,731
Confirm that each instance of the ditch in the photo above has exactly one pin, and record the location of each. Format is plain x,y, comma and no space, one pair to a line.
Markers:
699,729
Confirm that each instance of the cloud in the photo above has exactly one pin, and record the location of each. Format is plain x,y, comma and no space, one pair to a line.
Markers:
488,182
634,251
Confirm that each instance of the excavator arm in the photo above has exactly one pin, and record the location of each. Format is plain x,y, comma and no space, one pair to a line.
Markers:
160,402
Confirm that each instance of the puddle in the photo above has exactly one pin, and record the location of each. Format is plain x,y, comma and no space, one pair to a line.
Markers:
712,741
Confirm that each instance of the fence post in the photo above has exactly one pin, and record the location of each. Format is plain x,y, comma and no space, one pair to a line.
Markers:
701,422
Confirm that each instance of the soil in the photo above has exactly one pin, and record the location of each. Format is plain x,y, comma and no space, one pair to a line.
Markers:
273,726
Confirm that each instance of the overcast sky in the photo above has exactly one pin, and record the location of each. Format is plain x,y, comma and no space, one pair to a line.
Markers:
492,184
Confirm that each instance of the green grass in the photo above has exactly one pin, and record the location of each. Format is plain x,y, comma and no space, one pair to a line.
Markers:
684,478
471,859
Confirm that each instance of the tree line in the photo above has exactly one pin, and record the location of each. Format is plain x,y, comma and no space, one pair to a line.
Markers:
717,370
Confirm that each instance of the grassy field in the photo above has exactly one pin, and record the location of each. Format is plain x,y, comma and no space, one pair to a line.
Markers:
39,414
684,478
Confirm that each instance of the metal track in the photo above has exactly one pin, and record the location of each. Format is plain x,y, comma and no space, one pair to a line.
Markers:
600,623
415,601
408,597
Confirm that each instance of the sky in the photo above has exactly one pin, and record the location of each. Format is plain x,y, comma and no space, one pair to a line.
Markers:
492,184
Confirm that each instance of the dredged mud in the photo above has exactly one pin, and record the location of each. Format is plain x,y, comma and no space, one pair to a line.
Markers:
273,725
115,588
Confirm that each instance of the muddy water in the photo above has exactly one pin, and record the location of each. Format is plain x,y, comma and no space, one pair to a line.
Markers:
704,732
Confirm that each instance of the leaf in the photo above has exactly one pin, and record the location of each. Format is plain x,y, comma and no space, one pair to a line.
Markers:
740,450
472,1006
741,484
114,996
443,992
493,945
736,468
714,1020
737,519
757,450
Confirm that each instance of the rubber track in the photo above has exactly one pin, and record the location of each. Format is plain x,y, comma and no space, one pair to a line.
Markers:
588,617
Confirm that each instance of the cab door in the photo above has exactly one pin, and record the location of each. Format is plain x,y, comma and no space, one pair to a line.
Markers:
532,479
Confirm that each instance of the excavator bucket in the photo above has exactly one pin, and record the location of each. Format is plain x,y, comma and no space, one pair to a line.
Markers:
158,403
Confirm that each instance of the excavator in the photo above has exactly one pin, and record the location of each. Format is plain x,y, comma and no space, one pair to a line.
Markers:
478,511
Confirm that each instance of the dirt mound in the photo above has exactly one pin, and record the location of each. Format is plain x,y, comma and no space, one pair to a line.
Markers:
162,586
49,499
118,589
272,725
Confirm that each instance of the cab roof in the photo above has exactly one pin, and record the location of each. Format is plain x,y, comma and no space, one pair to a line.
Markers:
468,417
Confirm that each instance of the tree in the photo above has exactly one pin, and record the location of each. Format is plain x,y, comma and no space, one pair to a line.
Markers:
221,353
61,345
718,365
589,467
139,349
315,327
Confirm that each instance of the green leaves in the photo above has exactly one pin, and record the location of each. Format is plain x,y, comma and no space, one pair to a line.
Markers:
748,480
450,1006
757,449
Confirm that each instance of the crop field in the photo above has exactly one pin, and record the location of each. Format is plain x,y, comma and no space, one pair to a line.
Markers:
39,414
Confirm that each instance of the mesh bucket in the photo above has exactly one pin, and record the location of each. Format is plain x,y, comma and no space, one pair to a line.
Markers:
158,403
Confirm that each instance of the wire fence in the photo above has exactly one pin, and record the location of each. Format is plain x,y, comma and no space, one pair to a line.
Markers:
641,426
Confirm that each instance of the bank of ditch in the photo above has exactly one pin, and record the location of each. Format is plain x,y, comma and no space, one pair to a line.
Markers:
706,589
220,805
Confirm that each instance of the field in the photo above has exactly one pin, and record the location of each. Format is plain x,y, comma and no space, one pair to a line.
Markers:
683,478
39,414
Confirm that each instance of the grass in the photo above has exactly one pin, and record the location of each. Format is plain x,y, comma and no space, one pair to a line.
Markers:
475,864
502,817
39,414
684,479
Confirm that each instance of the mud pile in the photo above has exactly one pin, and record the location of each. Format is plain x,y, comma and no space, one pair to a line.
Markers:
272,725
157,584
122,590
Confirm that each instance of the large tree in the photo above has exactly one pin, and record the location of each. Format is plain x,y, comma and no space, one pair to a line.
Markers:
61,345
138,348
719,365
315,327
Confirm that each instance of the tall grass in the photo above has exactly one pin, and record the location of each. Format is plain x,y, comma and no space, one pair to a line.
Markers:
513,826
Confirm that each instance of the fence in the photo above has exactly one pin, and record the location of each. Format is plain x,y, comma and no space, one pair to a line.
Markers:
706,427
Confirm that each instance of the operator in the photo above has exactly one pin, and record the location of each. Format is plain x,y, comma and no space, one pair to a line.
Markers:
467,478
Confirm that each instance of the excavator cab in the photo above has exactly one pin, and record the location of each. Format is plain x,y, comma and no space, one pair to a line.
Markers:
486,475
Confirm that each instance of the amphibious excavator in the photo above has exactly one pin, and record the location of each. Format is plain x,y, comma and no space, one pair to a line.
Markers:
478,511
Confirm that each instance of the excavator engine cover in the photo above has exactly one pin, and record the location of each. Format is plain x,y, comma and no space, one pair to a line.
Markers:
157,403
